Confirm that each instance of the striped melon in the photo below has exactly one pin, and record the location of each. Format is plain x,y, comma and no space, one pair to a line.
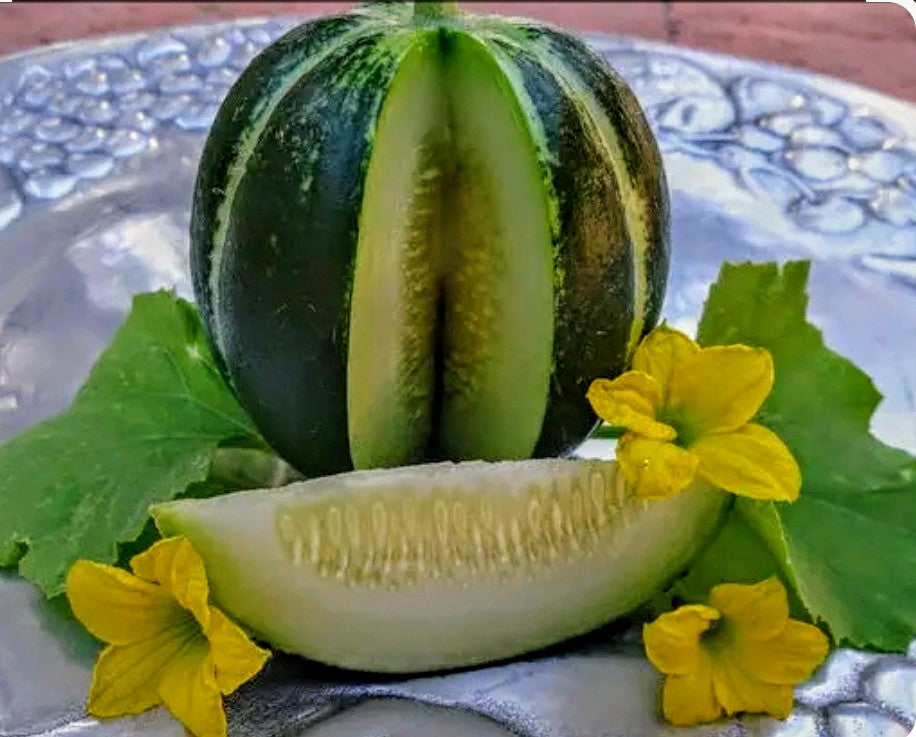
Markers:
419,235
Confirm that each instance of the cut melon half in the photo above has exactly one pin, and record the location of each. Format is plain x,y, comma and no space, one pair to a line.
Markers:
444,565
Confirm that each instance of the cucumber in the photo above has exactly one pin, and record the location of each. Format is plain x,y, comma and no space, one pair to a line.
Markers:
420,235
440,565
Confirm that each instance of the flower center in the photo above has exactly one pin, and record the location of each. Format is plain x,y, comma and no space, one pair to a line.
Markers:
718,637
683,424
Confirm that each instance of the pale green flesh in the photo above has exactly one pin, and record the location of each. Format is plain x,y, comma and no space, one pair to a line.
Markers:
443,565
451,318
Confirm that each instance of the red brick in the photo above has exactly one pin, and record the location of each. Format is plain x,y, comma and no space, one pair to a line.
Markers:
872,44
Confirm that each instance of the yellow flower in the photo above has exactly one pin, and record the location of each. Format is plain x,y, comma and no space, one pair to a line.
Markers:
739,653
166,643
688,412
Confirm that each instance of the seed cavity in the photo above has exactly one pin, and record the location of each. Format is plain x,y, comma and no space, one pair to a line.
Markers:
455,534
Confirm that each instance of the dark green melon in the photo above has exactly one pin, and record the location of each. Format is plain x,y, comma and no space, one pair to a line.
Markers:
421,235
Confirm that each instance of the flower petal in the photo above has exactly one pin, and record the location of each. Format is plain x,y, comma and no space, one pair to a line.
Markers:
656,469
662,353
175,565
125,679
737,690
631,401
672,641
751,461
790,657
752,611
117,607
190,691
721,388
236,658
690,699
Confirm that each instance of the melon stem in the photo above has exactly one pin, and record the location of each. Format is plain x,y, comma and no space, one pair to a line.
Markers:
424,12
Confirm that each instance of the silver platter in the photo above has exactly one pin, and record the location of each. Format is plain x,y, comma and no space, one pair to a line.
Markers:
98,149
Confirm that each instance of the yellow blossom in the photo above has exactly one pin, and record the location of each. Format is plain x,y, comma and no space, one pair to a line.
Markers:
166,644
738,653
688,413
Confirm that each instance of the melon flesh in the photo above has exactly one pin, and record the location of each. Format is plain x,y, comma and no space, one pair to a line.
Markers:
444,565
452,308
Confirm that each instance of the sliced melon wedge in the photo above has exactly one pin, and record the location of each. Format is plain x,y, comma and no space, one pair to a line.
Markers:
443,565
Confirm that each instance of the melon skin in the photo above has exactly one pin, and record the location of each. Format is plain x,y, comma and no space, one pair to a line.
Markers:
278,247
443,565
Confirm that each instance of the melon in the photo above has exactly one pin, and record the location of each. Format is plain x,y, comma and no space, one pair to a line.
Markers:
418,235
440,565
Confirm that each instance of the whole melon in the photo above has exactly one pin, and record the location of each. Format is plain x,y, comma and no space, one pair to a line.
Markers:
419,235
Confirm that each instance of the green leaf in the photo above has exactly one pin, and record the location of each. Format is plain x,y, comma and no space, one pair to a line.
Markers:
850,539
740,553
143,428
231,469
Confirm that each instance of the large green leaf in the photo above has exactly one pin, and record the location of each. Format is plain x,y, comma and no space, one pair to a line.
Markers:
143,428
849,542
737,554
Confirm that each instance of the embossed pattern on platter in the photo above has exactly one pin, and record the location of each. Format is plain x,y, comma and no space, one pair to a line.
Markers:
838,172
831,167
70,122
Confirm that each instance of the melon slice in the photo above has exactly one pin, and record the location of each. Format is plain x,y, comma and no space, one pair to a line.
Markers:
443,565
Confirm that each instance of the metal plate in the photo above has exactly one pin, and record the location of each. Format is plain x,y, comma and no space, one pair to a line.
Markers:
98,149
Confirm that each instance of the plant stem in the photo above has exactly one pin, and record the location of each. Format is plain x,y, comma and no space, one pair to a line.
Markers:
425,12
607,432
